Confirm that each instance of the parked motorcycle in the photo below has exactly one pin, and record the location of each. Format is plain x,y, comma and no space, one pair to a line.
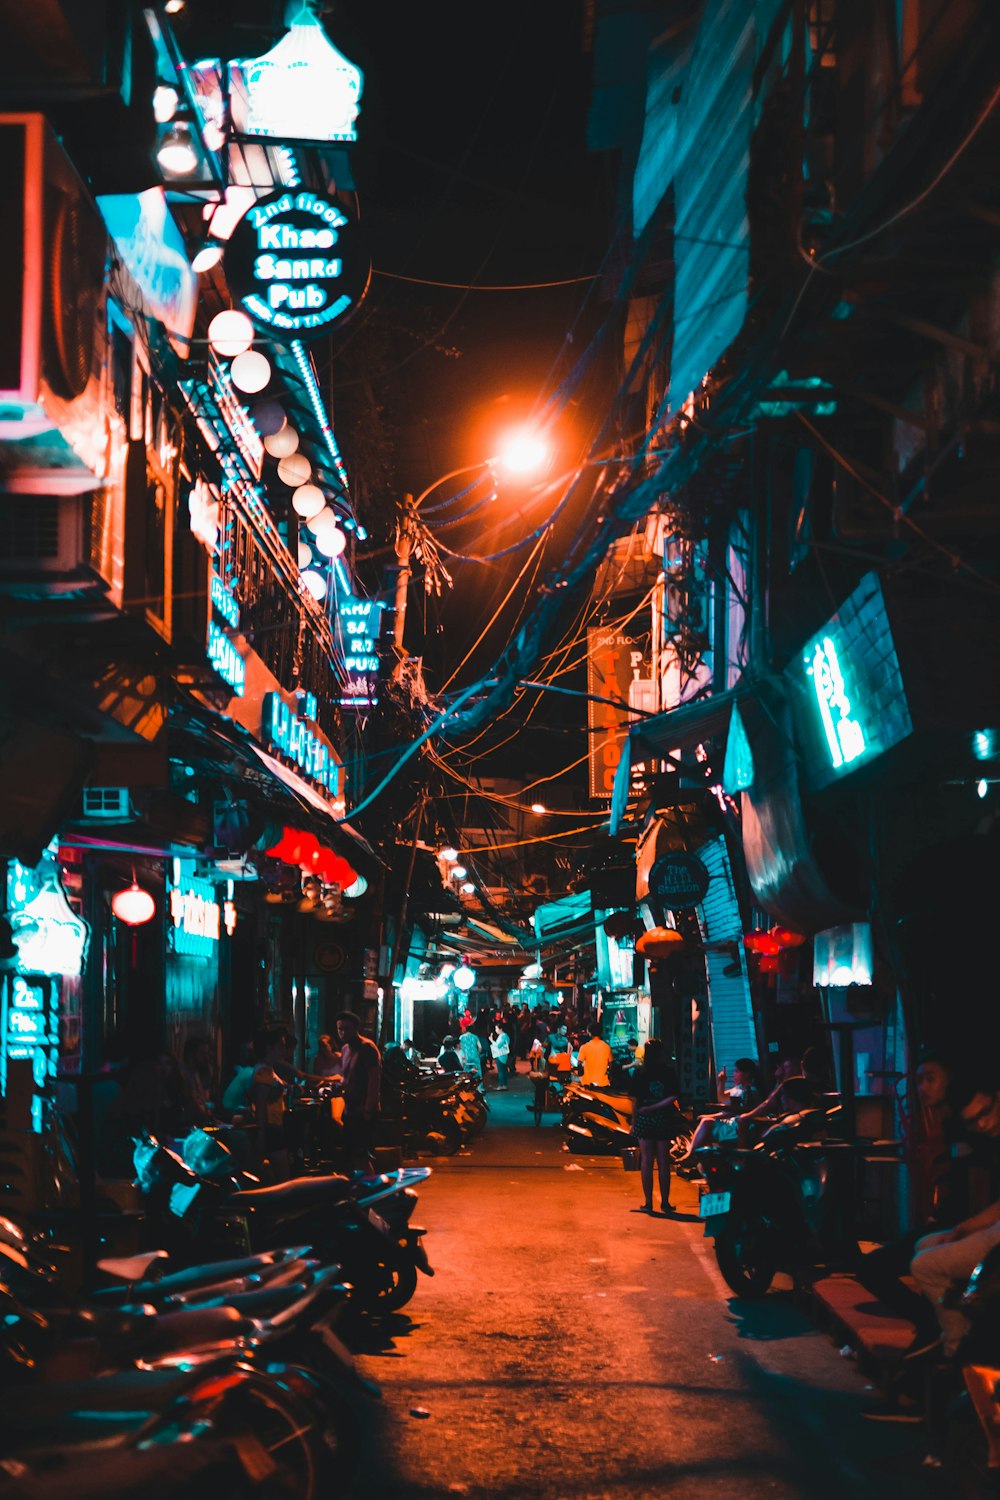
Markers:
361,1223
787,1204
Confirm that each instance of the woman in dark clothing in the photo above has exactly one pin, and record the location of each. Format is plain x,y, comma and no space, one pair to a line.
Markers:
655,1121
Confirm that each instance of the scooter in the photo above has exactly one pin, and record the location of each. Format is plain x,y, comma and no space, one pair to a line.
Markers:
787,1204
360,1223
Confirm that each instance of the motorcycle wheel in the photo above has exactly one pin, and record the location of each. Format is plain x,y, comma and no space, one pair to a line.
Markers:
446,1137
388,1288
745,1259
280,1429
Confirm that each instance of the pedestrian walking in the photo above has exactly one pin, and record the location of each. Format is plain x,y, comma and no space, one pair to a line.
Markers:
500,1048
470,1050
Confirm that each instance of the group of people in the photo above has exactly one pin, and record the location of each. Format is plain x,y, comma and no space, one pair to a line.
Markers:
255,1110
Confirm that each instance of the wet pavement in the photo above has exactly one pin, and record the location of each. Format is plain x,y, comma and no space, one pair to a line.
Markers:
570,1348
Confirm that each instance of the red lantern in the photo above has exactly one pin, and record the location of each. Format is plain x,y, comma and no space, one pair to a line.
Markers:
659,942
769,963
761,943
133,906
786,938
282,848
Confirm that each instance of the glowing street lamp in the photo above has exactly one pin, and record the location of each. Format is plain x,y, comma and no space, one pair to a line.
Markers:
464,978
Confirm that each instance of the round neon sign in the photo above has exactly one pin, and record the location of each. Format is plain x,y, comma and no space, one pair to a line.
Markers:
296,265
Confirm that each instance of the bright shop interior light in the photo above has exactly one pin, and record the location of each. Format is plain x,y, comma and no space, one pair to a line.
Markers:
315,583
308,501
250,371
176,153
282,444
230,333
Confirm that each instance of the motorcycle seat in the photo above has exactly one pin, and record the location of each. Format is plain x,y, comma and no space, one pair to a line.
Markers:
132,1267
297,1192
33,1406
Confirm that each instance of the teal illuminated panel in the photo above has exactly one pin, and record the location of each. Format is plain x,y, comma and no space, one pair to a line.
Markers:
847,688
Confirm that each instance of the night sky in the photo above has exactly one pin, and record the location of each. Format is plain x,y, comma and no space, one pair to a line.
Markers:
472,168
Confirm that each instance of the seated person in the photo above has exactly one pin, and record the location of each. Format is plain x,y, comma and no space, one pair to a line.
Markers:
448,1060
560,1053
950,1256
742,1097
794,1094
881,1271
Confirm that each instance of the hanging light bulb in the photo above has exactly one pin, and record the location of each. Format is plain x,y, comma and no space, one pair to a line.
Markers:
294,470
282,444
176,153
464,978
357,888
230,333
468,889
447,853
458,872
304,554
250,371
315,583
133,906
204,259
308,501
330,540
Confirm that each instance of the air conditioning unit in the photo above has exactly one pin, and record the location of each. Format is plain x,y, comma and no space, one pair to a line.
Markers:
41,533
109,804
53,339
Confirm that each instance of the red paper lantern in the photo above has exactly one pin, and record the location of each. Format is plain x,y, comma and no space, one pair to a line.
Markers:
786,938
659,942
769,963
133,906
763,944
282,848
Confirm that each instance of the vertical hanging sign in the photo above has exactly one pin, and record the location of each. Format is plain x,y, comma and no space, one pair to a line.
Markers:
617,671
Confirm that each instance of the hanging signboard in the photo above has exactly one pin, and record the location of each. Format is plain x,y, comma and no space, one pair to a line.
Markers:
295,263
678,880
617,670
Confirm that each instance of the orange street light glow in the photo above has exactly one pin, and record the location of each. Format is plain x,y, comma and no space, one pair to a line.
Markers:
523,452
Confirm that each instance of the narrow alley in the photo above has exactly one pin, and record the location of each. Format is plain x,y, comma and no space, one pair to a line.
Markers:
571,1347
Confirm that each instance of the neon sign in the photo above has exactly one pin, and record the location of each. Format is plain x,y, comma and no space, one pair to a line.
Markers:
303,89
295,263
844,735
29,1031
361,622
50,938
285,732
197,918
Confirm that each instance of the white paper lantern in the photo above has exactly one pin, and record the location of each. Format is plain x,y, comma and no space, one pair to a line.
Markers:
282,444
308,501
294,470
304,554
268,418
322,518
314,582
230,333
250,371
330,540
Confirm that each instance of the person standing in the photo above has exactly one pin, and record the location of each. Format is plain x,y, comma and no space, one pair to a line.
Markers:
361,1070
655,1121
500,1048
470,1050
326,1063
594,1061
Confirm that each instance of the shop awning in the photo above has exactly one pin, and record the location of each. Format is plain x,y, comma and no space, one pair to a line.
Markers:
223,749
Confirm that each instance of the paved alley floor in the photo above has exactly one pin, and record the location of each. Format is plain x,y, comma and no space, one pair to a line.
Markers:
570,1348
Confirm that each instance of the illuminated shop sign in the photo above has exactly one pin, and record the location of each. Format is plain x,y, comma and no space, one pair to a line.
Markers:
291,736
152,248
29,1032
223,655
49,937
360,625
197,917
848,690
303,89
295,263
224,602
